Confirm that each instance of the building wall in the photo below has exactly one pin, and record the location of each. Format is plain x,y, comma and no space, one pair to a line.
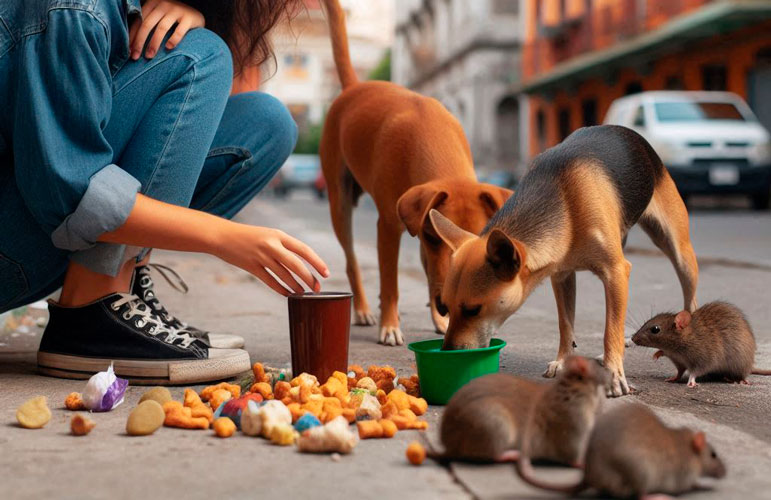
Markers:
731,57
466,55
304,75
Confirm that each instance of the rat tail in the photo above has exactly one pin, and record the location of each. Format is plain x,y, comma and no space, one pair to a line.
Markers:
527,474
758,371
339,36
431,453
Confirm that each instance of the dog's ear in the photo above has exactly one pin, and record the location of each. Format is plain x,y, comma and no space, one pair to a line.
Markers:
448,231
493,197
413,206
503,255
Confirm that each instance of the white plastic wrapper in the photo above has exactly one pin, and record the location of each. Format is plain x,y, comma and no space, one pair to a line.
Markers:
104,391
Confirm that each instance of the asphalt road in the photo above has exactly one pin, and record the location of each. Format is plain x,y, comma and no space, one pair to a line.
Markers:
734,249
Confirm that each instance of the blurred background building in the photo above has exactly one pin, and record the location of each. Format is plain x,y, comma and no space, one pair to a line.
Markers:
467,54
580,55
304,76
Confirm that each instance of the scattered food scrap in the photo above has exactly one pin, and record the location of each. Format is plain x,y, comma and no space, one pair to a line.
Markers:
224,427
416,453
33,413
145,419
80,425
74,402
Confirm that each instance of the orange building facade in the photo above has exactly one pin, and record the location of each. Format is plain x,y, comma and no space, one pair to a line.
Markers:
580,55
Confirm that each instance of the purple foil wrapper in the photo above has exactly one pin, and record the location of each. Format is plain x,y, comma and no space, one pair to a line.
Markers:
114,395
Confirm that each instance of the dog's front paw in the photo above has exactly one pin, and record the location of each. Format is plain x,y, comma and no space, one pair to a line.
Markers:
364,318
618,385
553,368
391,335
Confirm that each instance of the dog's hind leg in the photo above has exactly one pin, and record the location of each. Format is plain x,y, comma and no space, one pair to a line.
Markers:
564,286
389,234
665,220
342,190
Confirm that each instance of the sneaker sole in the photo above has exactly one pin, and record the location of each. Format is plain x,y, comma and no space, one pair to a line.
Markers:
222,364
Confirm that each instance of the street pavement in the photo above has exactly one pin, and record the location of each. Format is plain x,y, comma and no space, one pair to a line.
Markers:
734,249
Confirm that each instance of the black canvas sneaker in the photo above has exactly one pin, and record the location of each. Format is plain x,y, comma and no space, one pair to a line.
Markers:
142,286
122,329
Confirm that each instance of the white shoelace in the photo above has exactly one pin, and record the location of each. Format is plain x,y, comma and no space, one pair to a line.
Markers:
143,313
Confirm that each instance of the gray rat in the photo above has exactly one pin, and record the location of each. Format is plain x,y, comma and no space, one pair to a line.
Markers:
485,419
631,453
715,340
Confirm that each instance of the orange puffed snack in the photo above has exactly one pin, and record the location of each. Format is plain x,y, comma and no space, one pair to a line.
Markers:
218,397
389,409
305,379
419,406
385,384
182,416
357,370
234,390
400,399
330,414
416,453
259,373
369,429
263,389
389,428
197,407
74,402
381,397
377,373
350,415
296,411
281,390
411,385
334,388
224,427
352,383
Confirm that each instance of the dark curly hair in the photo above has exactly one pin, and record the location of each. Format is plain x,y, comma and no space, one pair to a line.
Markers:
245,25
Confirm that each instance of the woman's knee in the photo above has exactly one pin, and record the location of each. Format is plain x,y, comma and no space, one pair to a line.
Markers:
263,112
211,58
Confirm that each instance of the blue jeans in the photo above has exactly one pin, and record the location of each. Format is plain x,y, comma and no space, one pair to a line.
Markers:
174,129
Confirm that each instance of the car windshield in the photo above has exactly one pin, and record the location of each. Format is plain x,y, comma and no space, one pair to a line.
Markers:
696,111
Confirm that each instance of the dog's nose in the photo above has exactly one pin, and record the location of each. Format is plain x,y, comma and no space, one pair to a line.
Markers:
440,307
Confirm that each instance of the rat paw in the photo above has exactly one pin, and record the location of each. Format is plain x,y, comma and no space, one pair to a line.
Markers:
618,385
673,379
391,335
553,368
364,318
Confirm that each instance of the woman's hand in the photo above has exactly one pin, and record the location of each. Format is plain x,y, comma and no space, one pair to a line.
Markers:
162,15
260,249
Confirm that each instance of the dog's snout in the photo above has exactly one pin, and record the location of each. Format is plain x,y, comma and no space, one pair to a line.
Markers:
440,307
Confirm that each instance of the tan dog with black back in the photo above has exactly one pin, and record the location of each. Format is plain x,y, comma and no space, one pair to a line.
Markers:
411,155
571,212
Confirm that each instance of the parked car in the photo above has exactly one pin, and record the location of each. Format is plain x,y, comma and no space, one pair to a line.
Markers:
710,142
300,171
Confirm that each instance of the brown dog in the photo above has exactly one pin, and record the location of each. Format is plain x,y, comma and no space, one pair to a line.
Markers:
411,155
571,212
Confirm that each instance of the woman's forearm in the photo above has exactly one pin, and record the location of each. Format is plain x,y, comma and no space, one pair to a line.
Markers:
155,224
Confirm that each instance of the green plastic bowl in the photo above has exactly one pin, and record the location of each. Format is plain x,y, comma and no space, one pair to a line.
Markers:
442,373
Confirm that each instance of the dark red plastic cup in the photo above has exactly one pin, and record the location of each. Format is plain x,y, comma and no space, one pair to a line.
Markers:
319,331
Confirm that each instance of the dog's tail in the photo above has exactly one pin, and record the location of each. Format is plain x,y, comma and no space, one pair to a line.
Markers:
339,36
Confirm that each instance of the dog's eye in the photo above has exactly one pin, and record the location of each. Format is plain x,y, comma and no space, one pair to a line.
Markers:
655,329
470,311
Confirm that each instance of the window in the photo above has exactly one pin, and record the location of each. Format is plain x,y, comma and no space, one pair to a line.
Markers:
506,7
714,77
633,88
695,111
564,123
639,117
540,125
589,112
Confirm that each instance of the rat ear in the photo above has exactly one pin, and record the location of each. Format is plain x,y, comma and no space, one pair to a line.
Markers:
503,255
577,365
493,197
682,320
699,442
448,231
413,206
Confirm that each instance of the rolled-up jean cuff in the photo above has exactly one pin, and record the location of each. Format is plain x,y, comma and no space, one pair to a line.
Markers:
104,207
107,258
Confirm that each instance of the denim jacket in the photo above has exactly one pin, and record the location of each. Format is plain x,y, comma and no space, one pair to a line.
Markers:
57,60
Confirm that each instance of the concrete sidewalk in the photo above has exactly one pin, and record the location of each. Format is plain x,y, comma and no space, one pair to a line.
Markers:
194,464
